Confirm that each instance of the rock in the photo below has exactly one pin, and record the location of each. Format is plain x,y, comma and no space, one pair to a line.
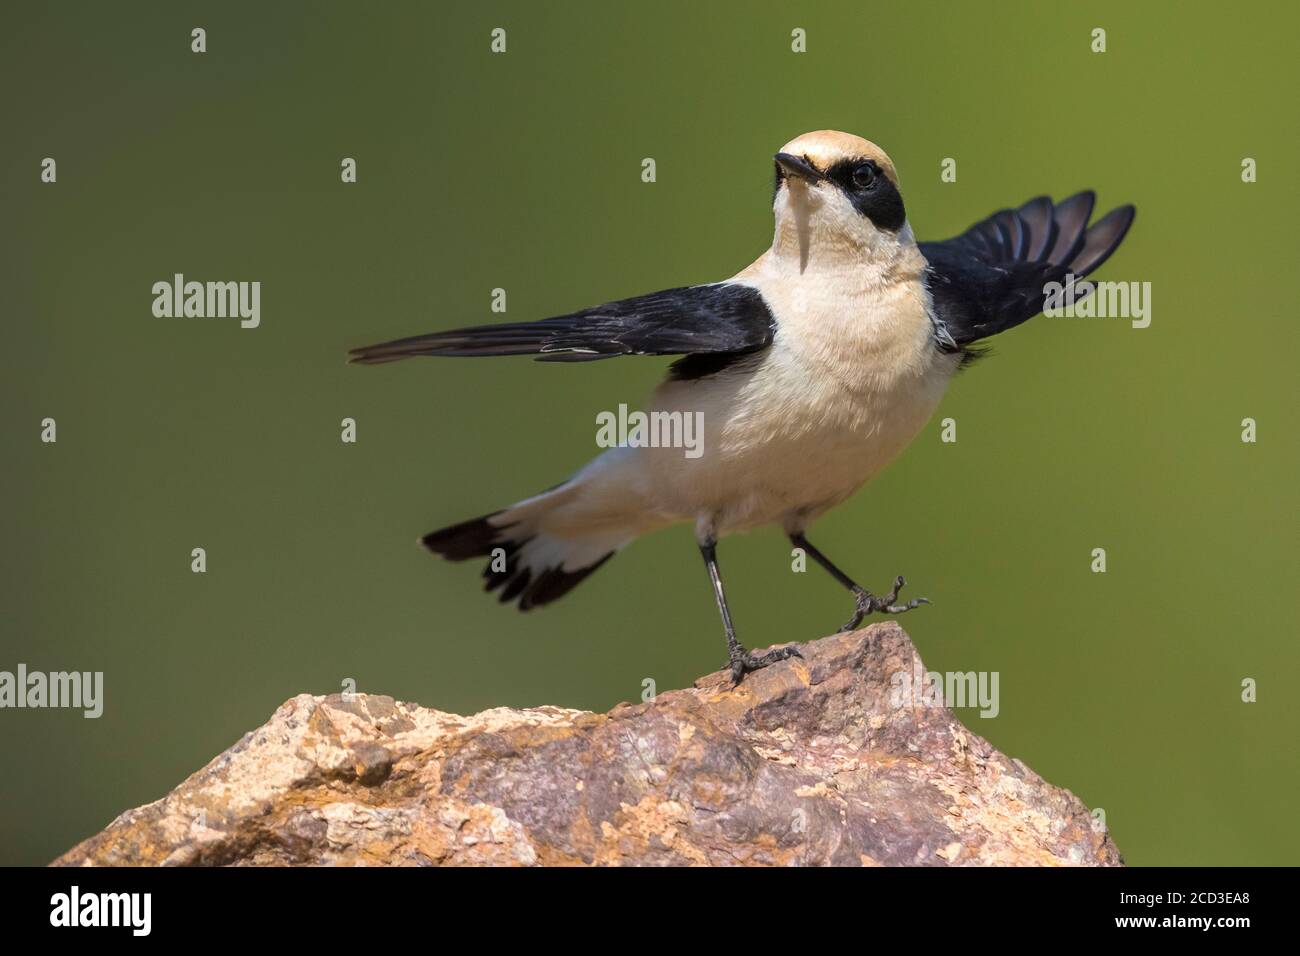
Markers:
806,762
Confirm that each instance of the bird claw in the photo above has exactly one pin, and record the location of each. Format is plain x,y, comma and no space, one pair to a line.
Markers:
868,602
744,661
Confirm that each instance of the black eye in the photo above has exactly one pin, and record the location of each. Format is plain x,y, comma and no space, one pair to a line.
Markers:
864,175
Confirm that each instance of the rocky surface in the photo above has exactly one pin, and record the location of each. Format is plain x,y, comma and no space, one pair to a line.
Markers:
805,762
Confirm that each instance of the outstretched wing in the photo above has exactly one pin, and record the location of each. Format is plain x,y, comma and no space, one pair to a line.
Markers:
718,320
993,276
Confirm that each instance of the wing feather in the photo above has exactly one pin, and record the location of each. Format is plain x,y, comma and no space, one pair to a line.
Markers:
994,275
726,318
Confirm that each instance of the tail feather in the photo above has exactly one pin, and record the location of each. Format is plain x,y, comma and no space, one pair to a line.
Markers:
526,563
469,539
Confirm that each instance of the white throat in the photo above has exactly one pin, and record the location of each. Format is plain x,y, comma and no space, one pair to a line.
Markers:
819,232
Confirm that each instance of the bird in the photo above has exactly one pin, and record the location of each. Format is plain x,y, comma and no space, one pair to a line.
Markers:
810,370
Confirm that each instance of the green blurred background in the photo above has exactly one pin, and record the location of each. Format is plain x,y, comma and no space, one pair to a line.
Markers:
522,171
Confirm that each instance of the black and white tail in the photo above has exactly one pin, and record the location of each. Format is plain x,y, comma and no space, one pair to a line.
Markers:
536,550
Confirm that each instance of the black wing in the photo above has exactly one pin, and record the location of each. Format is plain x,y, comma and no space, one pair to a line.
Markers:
992,277
718,320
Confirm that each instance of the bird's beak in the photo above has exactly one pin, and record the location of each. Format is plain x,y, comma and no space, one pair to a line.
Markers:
799,167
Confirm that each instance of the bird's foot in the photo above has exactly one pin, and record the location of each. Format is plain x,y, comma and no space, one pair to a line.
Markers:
868,602
743,661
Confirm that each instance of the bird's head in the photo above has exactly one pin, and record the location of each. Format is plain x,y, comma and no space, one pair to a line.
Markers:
837,201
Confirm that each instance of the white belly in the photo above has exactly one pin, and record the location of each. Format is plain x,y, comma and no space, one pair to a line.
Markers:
829,406
850,379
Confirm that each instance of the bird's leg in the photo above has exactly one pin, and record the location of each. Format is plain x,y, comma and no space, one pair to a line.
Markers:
740,660
866,601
